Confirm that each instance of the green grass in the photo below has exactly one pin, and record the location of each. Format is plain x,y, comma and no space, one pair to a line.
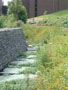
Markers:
31,53
22,54
22,84
52,55
42,34
60,13
11,63
54,19
26,65
30,70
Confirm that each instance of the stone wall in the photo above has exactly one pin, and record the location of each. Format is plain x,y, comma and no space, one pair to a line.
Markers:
12,41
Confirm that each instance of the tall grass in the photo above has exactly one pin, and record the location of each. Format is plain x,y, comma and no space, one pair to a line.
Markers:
52,61
52,56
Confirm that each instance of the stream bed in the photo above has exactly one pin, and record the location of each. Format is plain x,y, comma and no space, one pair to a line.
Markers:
12,71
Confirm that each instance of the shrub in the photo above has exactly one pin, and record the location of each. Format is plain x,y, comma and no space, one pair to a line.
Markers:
22,54
16,8
19,23
45,12
2,21
10,22
7,21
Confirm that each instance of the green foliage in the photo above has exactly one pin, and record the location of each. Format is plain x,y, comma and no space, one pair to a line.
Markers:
44,57
19,23
16,8
41,34
52,56
45,12
13,64
52,60
10,22
29,70
16,85
22,54
57,14
2,20
26,65
5,21
55,21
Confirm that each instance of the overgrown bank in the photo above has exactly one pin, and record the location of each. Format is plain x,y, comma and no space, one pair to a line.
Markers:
56,19
52,58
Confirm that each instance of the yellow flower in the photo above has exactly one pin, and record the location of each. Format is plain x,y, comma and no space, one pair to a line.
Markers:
58,85
54,76
58,81
66,88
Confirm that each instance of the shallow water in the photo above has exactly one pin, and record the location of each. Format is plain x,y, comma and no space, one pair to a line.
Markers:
33,48
24,62
12,71
15,77
31,56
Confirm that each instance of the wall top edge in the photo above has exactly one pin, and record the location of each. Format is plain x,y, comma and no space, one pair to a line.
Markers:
9,29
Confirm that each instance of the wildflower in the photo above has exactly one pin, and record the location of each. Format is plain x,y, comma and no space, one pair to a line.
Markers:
58,81
66,88
54,76
38,72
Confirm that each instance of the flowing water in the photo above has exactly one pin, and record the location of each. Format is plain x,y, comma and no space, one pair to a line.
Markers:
12,70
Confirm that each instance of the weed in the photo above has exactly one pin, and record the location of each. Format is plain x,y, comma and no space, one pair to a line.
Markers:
22,54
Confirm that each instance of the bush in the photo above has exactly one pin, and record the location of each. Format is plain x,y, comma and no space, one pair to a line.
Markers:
16,8
2,21
22,15
7,22
19,23
10,22
45,12
22,54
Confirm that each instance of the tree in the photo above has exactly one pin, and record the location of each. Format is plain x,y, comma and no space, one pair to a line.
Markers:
16,8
